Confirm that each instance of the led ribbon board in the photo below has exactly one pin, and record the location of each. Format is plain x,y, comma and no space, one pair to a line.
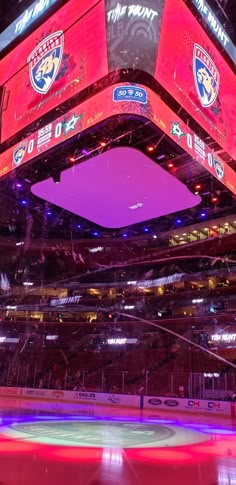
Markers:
116,100
20,25
216,27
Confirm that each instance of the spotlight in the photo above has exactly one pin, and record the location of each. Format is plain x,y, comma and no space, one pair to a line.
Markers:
102,144
203,214
150,148
56,178
170,165
71,159
24,202
214,199
198,187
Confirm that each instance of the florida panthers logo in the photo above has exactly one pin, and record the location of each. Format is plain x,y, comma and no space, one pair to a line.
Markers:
44,62
19,154
206,76
219,168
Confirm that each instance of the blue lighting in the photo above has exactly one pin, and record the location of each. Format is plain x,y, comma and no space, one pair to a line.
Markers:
178,221
49,213
203,214
125,235
95,233
219,431
79,226
24,202
146,229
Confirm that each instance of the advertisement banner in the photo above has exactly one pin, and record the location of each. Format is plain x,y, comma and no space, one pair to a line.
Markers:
194,405
193,71
133,31
10,391
53,64
101,107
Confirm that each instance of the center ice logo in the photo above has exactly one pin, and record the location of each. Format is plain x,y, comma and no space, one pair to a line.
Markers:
206,76
45,61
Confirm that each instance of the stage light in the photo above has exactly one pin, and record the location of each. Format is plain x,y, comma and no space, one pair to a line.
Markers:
102,144
72,159
24,202
198,187
178,221
150,148
125,235
49,213
56,178
18,185
215,227
146,229
214,199
170,165
203,214
79,226
154,236
95,233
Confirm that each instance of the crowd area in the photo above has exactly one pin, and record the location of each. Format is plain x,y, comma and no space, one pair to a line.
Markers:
119,356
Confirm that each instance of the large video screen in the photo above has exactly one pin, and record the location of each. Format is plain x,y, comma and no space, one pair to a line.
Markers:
63,56
191,68
116,100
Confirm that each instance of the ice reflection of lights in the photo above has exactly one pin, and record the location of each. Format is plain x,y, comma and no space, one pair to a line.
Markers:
113,456
227,475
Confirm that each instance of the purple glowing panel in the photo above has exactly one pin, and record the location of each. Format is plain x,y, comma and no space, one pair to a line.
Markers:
117,188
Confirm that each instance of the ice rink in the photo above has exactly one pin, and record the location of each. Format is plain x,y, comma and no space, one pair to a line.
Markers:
61,443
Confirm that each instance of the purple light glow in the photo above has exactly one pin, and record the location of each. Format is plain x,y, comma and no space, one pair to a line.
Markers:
117,188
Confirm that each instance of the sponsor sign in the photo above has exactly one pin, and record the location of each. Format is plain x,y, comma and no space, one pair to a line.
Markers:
53,64
194,405
102,106
192,70
16,28
216,27
10,391
130,93
37,393
84,396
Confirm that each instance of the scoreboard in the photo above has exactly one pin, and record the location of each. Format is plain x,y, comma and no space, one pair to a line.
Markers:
84,42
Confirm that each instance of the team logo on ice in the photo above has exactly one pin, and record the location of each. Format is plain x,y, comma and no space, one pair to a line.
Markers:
19,154
206,76
45,61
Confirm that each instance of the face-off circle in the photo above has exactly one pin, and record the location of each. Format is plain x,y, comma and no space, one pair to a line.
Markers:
103,434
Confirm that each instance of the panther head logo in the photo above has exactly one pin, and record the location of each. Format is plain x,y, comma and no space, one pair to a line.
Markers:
206,77
19,154
45,62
